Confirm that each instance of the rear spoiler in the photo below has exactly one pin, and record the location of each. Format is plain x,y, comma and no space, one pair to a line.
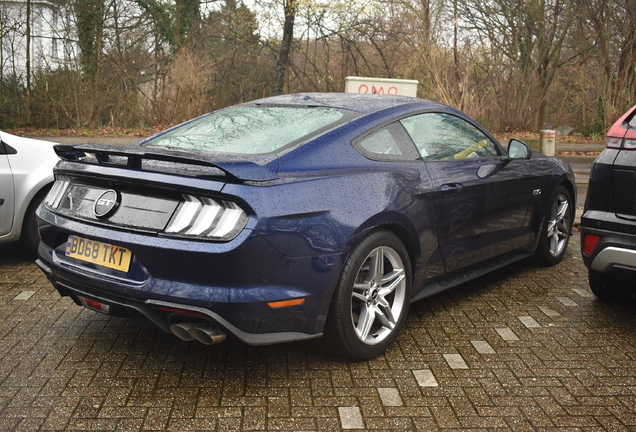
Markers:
231,166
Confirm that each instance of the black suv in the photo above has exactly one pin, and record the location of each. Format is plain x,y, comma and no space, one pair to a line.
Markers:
608,224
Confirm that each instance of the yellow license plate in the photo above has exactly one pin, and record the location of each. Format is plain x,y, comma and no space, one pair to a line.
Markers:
103,254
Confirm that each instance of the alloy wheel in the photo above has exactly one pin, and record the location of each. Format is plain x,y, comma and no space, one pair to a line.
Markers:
377,299
559,225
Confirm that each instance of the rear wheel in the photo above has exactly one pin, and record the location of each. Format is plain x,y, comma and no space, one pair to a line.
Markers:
609,288
557,228
371,300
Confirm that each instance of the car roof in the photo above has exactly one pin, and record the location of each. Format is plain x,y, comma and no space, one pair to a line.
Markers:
362,103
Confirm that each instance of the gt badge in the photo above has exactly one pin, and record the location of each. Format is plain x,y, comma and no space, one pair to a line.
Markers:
106,204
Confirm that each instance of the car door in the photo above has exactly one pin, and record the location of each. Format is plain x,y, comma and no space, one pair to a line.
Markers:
479,203
411,194
6,193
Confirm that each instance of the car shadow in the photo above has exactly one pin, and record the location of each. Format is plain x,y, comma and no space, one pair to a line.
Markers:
15,252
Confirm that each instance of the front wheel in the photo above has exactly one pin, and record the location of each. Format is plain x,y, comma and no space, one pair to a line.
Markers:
371,301
557,228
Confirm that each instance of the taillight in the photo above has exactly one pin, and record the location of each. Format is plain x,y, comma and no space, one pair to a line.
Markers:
629,144
590,242
207,218
619,137
57,192
621,143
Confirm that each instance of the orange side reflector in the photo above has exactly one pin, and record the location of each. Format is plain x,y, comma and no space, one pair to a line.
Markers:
285,303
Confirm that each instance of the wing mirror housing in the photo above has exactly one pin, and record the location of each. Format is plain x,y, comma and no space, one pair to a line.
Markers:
517,149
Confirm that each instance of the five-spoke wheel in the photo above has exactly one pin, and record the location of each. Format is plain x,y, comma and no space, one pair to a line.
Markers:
557,228
378,295
559,224
371,300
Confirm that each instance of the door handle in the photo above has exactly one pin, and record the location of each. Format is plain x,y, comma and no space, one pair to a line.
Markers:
451,188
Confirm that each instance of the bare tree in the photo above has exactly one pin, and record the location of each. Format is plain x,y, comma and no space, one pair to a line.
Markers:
528,36
611,26
90,15
289,8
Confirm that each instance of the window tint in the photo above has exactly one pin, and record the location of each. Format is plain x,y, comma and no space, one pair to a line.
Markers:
250,129
440,136
387,143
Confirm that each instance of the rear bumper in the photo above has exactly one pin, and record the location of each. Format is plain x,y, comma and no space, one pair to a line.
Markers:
615,252
227,284
612,256
162,313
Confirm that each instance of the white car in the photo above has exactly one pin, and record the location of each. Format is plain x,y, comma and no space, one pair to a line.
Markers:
26,175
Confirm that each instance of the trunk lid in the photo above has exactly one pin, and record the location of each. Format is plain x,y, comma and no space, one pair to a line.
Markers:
146,190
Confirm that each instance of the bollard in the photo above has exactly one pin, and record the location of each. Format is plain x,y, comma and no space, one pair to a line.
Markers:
548,142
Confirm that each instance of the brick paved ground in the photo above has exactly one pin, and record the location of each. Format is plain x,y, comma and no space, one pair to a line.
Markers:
526,348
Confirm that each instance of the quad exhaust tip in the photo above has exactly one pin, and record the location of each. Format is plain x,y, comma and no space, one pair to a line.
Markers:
190,331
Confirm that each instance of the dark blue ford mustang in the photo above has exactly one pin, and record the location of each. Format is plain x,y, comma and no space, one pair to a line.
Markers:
298,216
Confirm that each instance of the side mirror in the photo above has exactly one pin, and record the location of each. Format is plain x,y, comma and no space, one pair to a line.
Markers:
518,150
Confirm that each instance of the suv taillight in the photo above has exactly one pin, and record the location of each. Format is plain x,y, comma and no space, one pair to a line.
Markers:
629,144
620,137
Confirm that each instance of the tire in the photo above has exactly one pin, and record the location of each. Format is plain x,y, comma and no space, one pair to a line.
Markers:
371,300
556,228
607,288
30,237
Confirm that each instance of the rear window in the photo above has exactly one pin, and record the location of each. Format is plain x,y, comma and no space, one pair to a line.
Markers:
250,129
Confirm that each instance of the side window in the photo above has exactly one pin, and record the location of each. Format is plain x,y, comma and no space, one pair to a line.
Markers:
389,143
441,136
381,143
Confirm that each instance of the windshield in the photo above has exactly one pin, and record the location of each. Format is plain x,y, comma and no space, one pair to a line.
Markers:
249,129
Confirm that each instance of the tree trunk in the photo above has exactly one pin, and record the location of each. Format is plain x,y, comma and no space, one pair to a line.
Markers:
90,26
458,77
28,62
187,17
285,47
